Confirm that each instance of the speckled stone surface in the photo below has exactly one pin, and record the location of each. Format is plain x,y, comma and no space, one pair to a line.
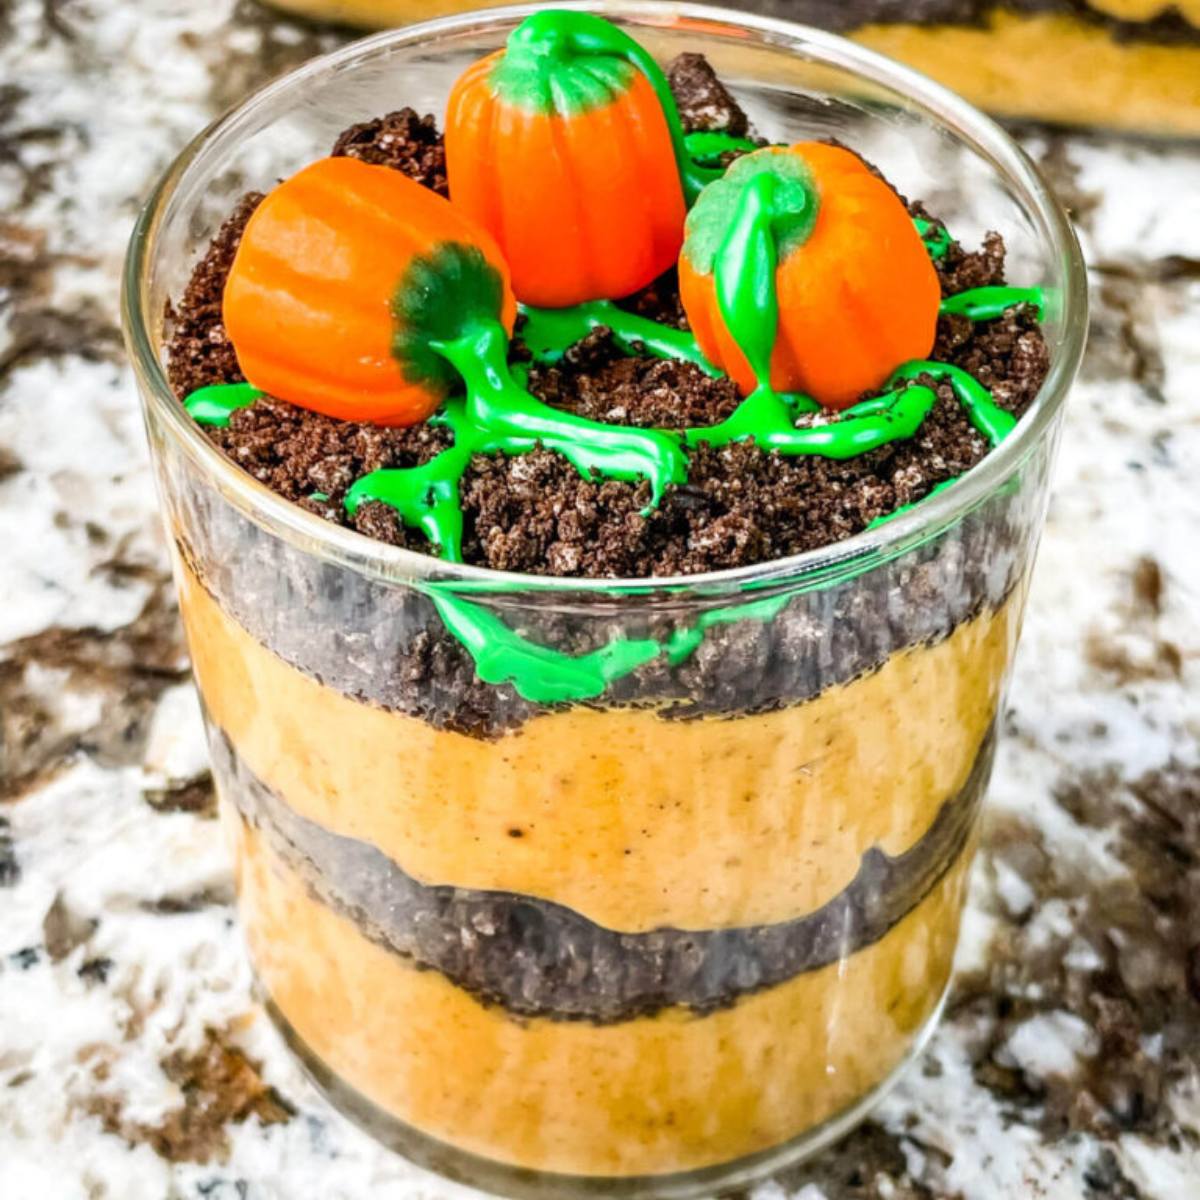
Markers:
134,1064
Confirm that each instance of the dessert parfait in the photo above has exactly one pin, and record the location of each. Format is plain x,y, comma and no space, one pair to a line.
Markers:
602,680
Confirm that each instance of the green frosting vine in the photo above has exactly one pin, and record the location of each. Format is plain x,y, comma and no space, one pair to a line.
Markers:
988,303
549,332
447,307
216,404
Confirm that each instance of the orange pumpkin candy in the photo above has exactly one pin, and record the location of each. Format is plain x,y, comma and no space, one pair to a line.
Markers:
857,294
568,161
313,300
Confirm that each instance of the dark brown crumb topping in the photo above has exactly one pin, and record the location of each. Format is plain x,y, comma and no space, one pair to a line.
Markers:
403,140
703,101
198,350
534,513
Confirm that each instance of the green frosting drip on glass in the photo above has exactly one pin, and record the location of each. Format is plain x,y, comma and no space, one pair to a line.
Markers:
216,404
539,674
549,332
988,303
558,61
545,676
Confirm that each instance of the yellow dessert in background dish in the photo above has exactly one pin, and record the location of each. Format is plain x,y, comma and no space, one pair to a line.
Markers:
1125,64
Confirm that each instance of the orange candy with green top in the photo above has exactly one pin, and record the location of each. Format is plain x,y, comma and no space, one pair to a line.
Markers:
802,271
332,300
559,146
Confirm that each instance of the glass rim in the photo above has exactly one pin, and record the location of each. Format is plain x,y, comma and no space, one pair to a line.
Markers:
822,565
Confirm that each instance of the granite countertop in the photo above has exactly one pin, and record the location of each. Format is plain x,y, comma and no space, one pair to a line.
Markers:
134,1064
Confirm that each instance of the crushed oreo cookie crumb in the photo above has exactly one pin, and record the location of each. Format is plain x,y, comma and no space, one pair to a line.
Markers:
199,352
403,140
704,102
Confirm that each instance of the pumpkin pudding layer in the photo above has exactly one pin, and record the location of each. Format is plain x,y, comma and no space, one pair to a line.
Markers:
576,881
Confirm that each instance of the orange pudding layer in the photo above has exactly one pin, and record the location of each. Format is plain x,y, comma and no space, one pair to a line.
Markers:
637,822
668,1093
631,819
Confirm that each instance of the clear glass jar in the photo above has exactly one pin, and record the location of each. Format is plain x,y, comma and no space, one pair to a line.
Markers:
685,927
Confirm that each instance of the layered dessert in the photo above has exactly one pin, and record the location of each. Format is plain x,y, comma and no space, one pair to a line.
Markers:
542,873
1129,64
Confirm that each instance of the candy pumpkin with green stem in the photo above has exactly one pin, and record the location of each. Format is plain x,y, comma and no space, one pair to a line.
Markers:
316,305
803,272
566,146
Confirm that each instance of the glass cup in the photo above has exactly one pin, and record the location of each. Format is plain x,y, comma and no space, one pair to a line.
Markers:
605,887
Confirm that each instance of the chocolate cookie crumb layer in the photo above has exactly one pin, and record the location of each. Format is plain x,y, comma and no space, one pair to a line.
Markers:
403,140
704,102
536,958
198,351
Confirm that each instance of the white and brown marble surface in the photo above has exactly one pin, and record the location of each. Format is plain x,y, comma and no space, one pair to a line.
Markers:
134,1063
